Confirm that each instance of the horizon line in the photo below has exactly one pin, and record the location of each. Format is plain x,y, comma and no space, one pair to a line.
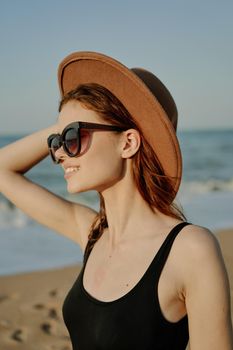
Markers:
230,128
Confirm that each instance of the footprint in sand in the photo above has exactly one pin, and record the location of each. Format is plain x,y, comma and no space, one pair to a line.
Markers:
39,306
3,297
53,293
48,328
19,335
53,314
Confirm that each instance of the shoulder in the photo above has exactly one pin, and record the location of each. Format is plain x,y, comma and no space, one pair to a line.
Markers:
197,242
200,256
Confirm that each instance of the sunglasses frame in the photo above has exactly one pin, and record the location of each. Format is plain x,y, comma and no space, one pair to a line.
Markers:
77,126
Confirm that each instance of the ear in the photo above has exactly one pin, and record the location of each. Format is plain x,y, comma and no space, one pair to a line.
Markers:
131,141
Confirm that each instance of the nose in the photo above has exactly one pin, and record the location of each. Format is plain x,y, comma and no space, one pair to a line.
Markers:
60,154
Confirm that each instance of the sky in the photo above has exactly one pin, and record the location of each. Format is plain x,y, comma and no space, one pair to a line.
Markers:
187,44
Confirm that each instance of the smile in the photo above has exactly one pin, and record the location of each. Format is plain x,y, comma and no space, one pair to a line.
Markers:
71,170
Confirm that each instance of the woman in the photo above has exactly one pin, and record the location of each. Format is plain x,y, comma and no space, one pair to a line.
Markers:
150,279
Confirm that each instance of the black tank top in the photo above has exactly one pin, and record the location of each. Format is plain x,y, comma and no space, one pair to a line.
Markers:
132,322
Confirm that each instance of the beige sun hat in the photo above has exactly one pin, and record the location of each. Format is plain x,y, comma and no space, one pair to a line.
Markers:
143,95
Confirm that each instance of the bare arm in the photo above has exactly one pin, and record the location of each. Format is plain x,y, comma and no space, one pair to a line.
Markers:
70,219
207,293
21,155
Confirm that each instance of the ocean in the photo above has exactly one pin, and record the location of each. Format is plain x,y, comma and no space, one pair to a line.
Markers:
205,194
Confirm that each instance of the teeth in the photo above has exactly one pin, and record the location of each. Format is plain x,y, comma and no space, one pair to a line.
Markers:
71,169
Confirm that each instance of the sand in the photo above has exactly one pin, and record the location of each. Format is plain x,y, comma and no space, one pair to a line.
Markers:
31,303
30,309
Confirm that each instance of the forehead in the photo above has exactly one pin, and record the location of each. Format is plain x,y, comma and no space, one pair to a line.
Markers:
74,111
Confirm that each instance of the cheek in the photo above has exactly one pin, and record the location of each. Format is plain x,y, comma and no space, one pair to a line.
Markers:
99,170
104,170
107,162
95,177
108,170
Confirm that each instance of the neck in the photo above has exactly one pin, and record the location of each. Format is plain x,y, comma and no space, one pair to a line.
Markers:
128,214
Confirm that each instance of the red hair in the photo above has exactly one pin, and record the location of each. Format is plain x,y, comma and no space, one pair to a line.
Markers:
150,179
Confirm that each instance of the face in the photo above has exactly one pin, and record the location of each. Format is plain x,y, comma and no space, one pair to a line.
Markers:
102,165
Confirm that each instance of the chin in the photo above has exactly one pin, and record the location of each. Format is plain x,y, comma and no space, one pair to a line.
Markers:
77,186
74,188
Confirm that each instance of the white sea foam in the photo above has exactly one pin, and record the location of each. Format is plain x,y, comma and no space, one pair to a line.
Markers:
210,185
11,216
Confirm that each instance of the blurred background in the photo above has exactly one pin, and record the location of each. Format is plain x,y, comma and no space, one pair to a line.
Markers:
187,44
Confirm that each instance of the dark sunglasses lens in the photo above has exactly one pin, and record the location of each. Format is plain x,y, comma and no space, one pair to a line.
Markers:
54,145
85,140
72,142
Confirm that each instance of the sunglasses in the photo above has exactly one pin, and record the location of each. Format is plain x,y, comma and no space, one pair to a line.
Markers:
76,138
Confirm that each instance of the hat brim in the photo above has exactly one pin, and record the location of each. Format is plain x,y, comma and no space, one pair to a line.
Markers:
91,67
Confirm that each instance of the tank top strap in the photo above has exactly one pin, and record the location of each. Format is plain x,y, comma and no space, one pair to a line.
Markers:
164,250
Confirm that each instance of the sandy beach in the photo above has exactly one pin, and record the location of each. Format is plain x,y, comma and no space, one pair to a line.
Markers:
30,304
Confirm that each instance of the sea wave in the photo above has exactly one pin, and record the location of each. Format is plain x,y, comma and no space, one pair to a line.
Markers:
210,185
11,216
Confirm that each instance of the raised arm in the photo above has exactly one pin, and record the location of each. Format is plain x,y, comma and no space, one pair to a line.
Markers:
21,155
70,219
